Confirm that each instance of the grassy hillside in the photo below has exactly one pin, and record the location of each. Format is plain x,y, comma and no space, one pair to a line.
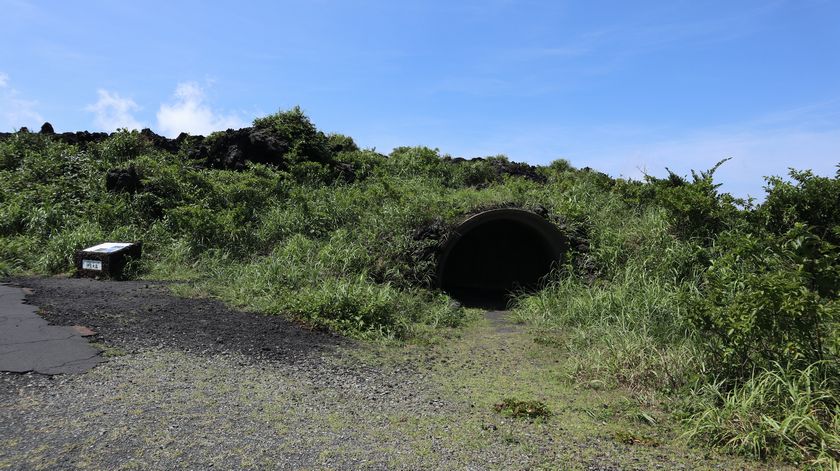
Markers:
727,308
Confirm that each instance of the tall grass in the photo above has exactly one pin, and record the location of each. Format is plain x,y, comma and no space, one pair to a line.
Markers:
780,413
625,327
325,284
629,330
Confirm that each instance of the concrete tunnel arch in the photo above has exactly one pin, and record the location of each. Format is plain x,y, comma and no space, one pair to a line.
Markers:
498,251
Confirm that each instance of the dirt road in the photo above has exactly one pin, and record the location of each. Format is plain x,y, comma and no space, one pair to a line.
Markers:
193,384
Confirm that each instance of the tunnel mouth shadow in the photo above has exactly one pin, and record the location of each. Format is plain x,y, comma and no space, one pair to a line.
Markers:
497,253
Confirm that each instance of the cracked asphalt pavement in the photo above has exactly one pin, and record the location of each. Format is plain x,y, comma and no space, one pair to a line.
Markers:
29,343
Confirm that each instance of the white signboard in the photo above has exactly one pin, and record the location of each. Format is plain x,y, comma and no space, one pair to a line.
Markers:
108,247
91,265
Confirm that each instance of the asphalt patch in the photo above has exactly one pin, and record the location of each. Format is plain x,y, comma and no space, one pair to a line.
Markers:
28,343
137,315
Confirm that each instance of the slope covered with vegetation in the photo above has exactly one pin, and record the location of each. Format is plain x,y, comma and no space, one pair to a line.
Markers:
729,309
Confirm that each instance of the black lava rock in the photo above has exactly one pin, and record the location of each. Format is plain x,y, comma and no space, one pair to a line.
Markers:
81,138
163,143
233,148
122,180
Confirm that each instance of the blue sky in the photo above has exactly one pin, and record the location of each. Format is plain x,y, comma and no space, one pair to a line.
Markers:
623,87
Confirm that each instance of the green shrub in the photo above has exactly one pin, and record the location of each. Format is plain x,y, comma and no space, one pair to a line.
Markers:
338,143
560,166
13,215
364,164
122,147
768,299
19,253
409,162
205,227
809,199
310,173
21,147
475,173
306,142
696,209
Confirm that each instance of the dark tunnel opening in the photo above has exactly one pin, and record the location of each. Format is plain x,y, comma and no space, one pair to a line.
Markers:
496,253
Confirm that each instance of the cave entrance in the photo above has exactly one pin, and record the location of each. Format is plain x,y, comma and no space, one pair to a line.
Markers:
495,253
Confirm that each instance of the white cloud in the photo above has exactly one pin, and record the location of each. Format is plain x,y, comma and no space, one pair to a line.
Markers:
16,112
113,111
190,113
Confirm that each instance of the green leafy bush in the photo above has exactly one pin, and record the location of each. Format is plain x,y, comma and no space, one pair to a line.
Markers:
768,299
206,227
696,209
407,162
123,146
306,142
363,163
339,143
809,199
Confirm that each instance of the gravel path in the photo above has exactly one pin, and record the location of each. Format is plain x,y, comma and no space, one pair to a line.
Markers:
193,384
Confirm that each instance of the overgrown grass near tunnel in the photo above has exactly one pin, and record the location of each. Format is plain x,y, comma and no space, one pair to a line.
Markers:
669,288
